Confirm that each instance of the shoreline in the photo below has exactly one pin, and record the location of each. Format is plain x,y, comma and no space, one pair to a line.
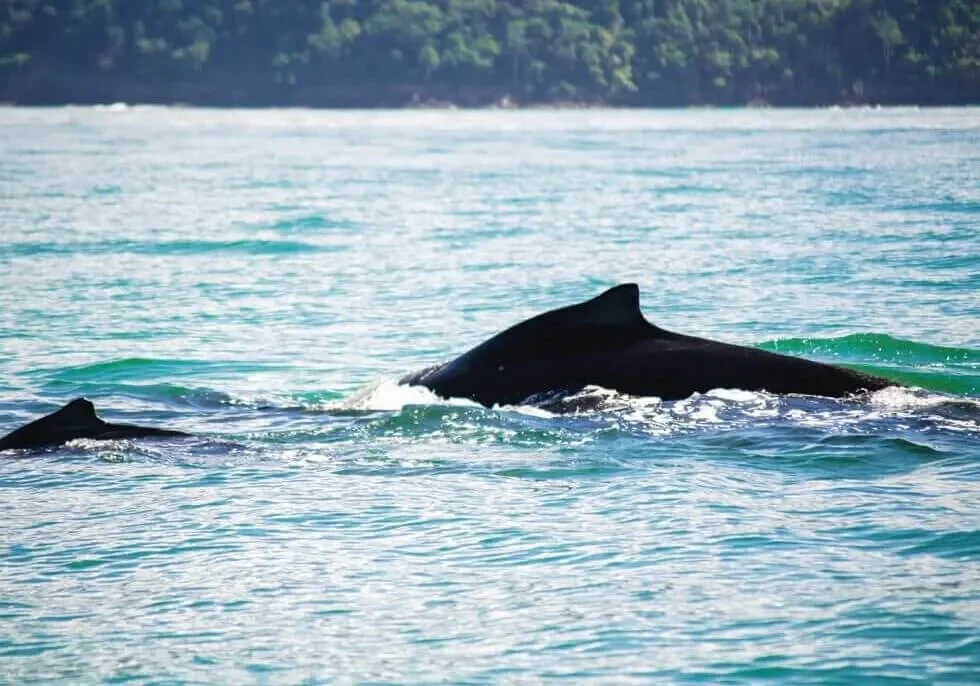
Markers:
121,105
45,87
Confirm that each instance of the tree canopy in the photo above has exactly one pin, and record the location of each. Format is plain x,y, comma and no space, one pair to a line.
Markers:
477,52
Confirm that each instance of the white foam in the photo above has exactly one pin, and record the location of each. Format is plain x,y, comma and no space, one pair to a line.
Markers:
715,408
529,410
389,395
897,398
112,107
735,395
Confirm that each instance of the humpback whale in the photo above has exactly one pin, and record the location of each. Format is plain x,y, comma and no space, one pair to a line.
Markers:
607,342
77,419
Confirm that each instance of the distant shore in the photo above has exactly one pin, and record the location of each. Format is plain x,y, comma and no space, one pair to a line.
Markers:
504,54
48,86
196,99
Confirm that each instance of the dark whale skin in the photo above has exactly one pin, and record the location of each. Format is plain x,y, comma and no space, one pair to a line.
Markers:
607,342
77,419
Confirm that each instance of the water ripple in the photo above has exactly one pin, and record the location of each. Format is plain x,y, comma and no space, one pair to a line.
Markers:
260,278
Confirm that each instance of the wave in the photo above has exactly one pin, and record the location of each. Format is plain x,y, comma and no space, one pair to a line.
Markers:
176,247
142,368
940,368
890,431
938,408
717,406
150,381
877,346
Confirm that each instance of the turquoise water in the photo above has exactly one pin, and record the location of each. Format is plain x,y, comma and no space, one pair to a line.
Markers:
262,278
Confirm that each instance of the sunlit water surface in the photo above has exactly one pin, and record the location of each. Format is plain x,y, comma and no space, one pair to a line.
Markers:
262,278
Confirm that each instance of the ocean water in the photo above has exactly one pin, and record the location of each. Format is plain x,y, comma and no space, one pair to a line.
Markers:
261,278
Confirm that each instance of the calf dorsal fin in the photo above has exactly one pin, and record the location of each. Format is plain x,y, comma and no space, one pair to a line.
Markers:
76,419
79,412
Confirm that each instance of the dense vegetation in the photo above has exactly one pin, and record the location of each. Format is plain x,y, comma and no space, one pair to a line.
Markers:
391,52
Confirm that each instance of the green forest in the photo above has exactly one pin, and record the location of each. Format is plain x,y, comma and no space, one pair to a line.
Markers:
370,53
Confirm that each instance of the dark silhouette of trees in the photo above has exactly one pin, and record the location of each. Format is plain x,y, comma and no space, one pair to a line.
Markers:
475,52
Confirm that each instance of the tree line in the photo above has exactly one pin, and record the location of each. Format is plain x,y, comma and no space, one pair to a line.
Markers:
480,52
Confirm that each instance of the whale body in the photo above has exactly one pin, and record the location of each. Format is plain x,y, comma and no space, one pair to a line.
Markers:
77,419
607,342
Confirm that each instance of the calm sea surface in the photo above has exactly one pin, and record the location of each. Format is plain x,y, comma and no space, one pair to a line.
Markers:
261,278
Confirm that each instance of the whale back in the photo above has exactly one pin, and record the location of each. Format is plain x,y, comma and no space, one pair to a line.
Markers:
607,342
76,419
611,317
537,354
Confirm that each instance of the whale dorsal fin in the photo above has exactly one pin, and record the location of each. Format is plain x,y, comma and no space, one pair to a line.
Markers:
77,419
617,307
74,420
614,314
79,411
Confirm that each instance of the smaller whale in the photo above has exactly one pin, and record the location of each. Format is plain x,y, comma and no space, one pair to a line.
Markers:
77,419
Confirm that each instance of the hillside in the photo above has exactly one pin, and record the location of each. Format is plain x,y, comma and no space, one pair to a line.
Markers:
370,53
